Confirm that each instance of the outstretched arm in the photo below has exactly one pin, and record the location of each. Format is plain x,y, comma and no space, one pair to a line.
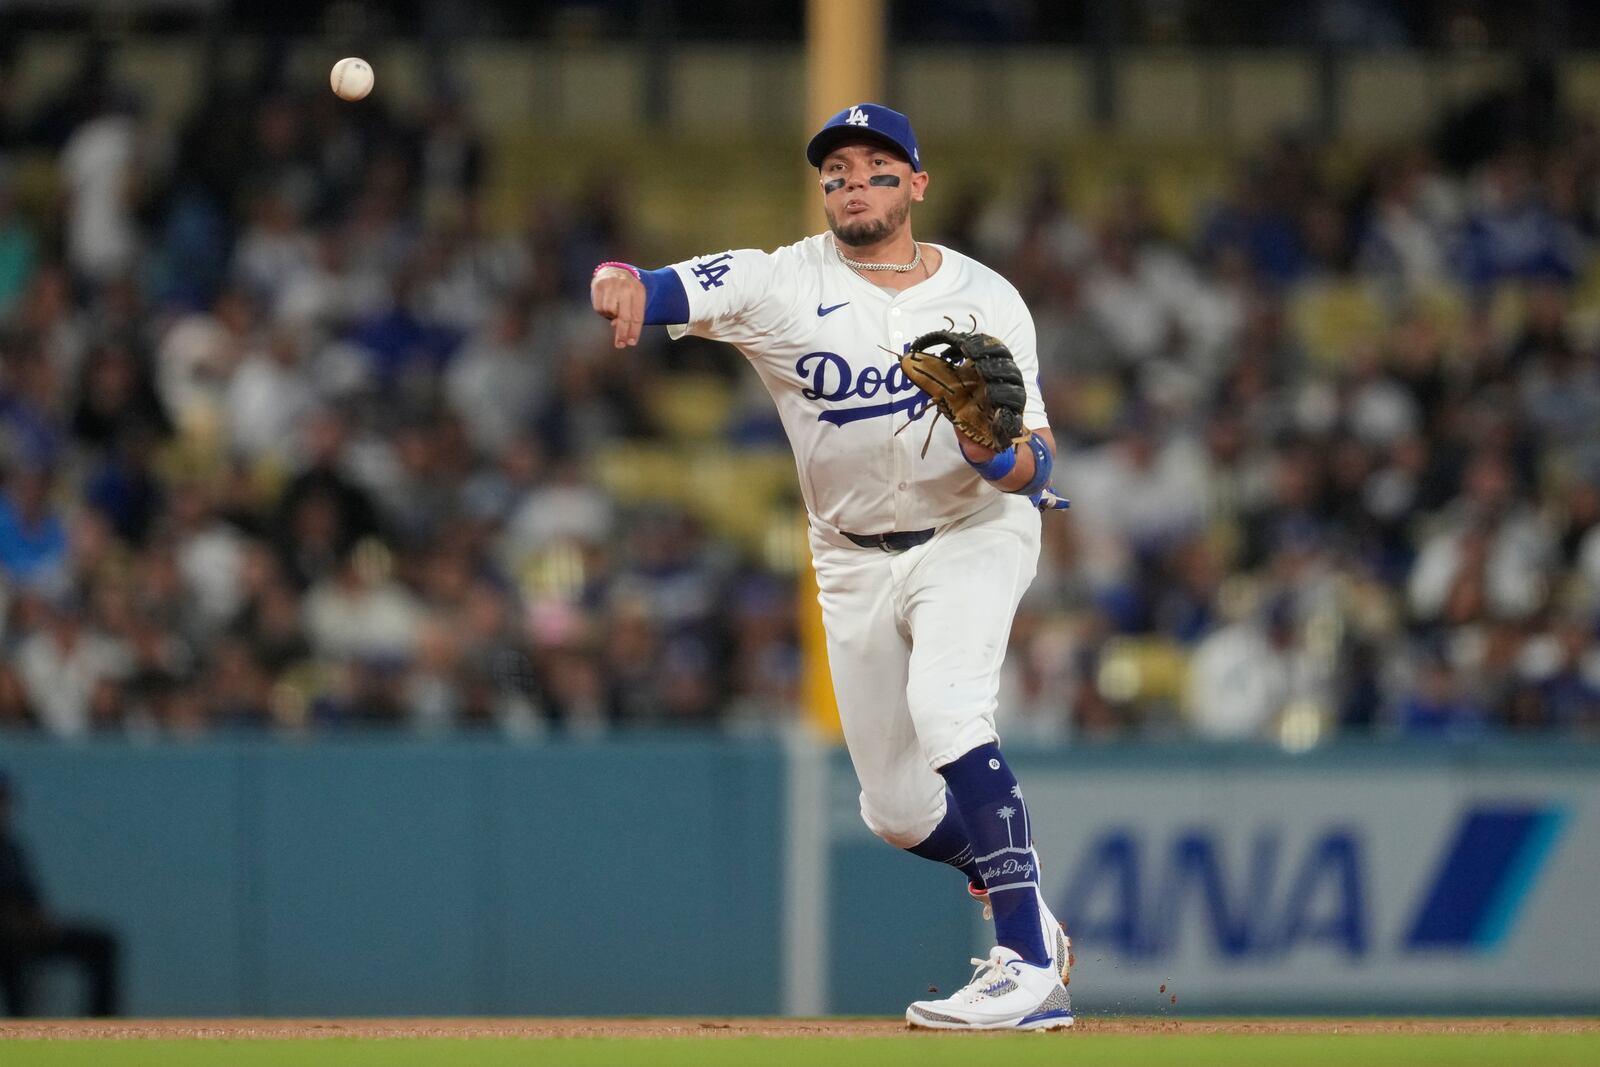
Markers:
733,296
632,299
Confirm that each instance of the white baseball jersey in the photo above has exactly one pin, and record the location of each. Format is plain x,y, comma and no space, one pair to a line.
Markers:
827,344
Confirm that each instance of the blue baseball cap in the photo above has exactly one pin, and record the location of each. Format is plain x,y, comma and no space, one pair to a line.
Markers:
873,122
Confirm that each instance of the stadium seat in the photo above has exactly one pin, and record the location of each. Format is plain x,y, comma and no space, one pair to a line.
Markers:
692,407
1143,669
1334,318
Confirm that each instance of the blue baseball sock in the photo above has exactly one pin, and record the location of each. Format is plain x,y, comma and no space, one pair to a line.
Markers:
997,825
949,842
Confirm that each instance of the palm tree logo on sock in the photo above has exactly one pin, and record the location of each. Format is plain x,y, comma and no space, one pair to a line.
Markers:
1007,813
1010,866
1027,831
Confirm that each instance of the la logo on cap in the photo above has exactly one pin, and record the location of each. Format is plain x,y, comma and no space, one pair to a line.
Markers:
857,117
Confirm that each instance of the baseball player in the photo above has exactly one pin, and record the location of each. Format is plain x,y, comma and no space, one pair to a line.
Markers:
923,541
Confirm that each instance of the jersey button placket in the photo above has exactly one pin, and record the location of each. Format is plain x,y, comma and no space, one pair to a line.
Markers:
897,343
900,488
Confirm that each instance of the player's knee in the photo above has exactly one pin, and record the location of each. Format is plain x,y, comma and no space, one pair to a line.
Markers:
899,825
947,735
900,837
928,694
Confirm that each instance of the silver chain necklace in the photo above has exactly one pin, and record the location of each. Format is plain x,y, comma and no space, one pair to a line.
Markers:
898,268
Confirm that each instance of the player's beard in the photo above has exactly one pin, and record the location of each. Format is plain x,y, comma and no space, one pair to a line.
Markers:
869,231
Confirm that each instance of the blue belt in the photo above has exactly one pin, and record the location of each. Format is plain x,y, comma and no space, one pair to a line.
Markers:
898,541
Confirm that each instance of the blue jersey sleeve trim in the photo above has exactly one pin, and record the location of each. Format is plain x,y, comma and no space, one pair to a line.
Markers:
665,301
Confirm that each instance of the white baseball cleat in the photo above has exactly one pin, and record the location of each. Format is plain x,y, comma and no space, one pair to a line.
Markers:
1006,993
1055,931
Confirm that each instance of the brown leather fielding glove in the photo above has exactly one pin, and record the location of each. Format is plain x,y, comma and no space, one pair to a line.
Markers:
974,383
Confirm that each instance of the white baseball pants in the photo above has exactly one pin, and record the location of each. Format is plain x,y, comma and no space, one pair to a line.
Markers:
915,644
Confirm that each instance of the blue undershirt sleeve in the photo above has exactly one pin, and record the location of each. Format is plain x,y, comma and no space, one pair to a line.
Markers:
665,301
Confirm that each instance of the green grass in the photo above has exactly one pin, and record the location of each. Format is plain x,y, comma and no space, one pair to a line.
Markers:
1012,1050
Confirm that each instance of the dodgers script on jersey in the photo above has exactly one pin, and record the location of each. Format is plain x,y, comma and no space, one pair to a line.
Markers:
827,343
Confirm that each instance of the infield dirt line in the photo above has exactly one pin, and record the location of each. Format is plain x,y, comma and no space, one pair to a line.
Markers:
212,1029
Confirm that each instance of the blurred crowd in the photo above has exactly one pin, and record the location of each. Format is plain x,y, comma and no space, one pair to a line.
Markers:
292,439
1334,452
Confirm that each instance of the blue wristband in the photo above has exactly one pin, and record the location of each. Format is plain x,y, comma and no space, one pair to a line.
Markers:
992,470
665,302
1043,461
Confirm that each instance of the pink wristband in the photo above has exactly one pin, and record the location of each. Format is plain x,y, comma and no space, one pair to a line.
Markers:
629,267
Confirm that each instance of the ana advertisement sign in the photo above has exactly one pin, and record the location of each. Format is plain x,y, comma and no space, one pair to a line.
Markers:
1397,889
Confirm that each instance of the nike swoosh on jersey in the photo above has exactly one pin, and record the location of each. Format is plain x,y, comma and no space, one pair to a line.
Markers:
822,311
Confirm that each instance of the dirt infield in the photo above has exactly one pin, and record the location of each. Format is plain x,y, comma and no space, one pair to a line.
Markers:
80,1029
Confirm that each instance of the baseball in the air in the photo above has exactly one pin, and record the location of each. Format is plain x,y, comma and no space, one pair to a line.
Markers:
351,78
